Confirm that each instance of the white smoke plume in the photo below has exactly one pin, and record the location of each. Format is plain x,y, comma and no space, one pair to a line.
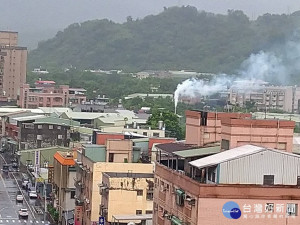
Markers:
264,66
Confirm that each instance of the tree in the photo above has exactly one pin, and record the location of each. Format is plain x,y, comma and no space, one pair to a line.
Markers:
171,122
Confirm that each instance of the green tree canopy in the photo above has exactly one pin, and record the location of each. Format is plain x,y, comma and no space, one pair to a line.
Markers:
171,122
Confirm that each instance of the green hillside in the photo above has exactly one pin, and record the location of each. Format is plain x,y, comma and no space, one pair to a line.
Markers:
178,38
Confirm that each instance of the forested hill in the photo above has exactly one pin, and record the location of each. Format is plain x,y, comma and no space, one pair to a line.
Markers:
178,38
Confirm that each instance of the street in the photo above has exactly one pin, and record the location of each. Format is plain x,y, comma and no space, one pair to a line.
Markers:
10,185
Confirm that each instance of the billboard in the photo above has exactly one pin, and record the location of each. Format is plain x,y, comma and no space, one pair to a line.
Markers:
78,215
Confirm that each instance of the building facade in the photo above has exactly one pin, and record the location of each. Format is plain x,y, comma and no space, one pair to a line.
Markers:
13,61
266,98
249,194
205,127
126,194
63,184
276,134
46,94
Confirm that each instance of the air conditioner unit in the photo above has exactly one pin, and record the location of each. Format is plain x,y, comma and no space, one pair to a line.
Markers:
165,214
181,172
59,136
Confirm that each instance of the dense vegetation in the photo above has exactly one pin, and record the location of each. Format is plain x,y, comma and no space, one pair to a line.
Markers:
114,86
178,38
171,123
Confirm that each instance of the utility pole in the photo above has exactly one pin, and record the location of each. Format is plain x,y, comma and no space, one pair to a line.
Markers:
45,203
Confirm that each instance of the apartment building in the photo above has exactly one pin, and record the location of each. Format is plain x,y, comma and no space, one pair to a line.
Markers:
39,131
276,134
205,127
126,194
245,185
46,94
13,60
63,185
266,98
91,164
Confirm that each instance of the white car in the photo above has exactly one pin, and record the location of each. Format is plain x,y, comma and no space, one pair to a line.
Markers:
23,213
32,194
20,198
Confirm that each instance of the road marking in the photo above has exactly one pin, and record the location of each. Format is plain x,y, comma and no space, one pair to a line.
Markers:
13,221
30,221
7,221
0,221
37,221
19,221
25,221
42,221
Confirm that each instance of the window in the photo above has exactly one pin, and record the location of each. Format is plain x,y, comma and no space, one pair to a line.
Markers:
298,181
58,127
145,133
292,209
180,197
138,212
111,157
268,180
72,194
149,196
149,211
139,192
50,127
155,134
40,126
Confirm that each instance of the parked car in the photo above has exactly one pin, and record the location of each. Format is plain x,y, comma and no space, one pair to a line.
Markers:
32,194
19,197
23,213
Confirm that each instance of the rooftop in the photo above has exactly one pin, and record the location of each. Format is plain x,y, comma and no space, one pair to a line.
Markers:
234,153
130,175
205,151
64,158
27,118
174,147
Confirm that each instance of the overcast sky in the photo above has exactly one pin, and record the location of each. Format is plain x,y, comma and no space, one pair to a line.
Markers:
43,18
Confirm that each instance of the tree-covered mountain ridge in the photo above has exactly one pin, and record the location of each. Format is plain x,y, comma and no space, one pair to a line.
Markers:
177,38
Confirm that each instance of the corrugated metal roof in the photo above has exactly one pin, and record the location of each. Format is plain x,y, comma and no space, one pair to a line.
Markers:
26,118
198,152
226,156
55,109
174,147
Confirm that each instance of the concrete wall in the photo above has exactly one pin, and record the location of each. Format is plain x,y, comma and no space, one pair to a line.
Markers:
94,178
198,133
122,198
122,149
266,133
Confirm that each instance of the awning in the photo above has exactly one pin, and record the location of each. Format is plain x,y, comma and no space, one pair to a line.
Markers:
176,221
12,142
179,192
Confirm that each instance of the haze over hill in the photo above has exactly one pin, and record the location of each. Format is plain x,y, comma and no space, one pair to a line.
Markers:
40,20
178,38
